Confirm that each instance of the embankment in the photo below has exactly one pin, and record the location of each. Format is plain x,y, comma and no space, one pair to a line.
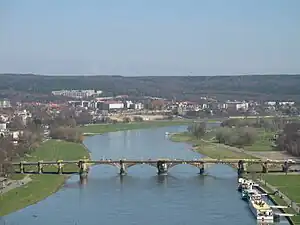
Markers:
214,150
95,129
42,185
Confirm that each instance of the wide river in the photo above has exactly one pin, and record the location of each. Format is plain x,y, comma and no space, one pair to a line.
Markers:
142,197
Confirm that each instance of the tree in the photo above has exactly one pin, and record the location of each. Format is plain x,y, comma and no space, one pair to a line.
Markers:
16,123
197,129
84,118
126,120
66,133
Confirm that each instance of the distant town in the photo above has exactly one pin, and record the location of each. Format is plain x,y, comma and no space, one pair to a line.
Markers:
88,106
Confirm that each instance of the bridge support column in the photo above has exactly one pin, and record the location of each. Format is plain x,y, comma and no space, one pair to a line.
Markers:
83,169
22,168
59,167
285,167
162,167
265,167
40,167
241,168
202,168
123,170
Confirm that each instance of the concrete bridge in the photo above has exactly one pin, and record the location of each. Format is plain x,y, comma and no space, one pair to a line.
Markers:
162,165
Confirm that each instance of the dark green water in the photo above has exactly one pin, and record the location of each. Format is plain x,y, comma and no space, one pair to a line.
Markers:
142,197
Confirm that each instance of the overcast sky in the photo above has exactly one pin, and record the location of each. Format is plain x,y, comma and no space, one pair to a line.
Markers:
150,37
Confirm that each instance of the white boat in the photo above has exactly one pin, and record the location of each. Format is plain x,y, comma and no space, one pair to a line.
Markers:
247,193
244,184
261,210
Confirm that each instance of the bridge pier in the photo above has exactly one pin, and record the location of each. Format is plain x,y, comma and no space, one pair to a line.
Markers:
83,169
241,168
40,167
162,167
22,168
202,168
265,167
286,167
123,170
59,166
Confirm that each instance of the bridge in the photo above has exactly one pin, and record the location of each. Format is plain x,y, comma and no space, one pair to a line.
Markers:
162,165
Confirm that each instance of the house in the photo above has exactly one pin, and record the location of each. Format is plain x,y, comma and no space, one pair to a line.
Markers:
237,105
110,105
5,103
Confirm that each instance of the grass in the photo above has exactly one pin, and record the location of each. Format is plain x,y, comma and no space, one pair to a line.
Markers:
209,149
288,184
277,199
104,128
42,185
263,142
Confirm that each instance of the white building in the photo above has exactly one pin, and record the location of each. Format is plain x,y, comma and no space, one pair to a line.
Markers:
109,105
2,126
237,105
4,103
77,93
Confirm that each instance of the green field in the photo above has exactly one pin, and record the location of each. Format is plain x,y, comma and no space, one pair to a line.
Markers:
289,185
104,128
42,185
209,149
263,142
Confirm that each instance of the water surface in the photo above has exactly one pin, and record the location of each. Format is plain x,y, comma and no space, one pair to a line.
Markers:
142,197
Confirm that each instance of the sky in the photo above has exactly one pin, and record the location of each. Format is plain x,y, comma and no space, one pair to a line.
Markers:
150,37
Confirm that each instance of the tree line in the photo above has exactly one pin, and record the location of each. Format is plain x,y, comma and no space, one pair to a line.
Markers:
253,87
243,132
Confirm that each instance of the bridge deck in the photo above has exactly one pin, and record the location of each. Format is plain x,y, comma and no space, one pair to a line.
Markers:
151,161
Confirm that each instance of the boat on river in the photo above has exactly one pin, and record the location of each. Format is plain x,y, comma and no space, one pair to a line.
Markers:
261,210
244,184
247,193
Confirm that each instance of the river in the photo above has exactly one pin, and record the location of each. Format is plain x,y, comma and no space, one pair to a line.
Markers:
142,197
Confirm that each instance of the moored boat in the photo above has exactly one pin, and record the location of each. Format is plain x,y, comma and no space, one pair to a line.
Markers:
261,210
247,193
244,184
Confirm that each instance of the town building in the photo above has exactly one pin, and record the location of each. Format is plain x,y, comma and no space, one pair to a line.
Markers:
5,103
77,93
110,105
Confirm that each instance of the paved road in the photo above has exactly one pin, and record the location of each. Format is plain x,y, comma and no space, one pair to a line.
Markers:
12,184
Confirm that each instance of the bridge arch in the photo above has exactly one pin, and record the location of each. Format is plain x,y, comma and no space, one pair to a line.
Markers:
195,165
129,165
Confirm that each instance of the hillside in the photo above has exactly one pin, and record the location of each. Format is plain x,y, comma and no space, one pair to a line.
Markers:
262,87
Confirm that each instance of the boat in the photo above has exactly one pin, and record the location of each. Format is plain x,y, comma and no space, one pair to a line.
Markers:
247,193
245,184
240,182
261,210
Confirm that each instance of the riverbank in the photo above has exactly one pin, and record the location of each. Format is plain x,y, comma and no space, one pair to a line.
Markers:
288,184
208,148
95,129
42,185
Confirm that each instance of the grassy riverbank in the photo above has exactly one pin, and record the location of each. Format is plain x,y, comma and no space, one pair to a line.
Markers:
104,128
277,181
208,148
288,184
42,185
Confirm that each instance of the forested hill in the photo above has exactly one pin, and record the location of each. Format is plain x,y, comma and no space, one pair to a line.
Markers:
281,87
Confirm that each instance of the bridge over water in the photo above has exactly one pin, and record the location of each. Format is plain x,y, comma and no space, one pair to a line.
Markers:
162,165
